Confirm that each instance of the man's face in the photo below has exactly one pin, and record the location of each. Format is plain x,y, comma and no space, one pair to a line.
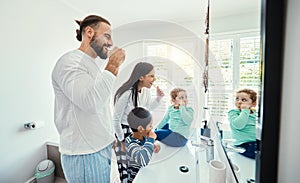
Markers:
102,41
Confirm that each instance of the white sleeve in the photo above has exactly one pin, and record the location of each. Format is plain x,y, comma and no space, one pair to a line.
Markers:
86,92
119,112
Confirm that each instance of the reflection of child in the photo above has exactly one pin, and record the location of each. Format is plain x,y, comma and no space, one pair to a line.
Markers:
174,129
140,144
243,121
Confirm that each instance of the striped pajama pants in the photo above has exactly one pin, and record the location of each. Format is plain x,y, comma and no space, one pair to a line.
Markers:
121,155
88,168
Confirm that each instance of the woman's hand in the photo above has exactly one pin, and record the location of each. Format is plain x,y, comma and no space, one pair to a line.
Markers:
159,92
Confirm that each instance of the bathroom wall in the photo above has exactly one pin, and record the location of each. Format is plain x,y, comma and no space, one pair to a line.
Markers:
34,34
289,133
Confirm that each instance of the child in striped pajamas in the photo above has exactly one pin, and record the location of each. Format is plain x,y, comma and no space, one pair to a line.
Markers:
140,144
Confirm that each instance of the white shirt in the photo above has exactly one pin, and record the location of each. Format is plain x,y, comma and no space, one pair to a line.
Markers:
124,105
82,104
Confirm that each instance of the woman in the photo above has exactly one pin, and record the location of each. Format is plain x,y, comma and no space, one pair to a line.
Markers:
135,92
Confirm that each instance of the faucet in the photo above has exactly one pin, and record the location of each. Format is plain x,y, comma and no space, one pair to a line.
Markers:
209,147
206,143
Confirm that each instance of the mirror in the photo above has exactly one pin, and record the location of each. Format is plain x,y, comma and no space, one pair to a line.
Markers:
234,63
237,57
235,54
176,63
268,107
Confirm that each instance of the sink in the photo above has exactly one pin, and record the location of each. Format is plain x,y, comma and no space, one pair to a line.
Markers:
174,164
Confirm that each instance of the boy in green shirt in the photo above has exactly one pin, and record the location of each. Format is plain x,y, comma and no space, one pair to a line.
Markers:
174,129
243,121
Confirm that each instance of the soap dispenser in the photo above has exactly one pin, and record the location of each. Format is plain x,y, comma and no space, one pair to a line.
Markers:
205,131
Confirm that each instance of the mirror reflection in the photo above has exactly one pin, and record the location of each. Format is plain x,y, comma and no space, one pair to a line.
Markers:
177,56
238,58
175,66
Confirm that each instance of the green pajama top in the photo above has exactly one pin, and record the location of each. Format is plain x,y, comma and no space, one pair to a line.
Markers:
243,125
179,120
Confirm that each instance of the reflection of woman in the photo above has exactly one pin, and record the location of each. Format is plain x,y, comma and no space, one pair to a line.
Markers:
133,93
243,121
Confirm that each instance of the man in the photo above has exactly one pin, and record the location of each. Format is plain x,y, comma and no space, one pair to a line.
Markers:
82,103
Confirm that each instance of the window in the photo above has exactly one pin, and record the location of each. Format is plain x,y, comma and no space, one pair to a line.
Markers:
234,63
174,67
238,59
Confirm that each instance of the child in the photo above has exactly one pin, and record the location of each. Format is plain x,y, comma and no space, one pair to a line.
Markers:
243,121
140,144
135,92
174,129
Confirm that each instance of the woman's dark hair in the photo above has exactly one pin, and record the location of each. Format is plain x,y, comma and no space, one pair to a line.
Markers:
92,21
140,69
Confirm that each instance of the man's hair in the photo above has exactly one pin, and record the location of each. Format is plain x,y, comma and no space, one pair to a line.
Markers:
92,21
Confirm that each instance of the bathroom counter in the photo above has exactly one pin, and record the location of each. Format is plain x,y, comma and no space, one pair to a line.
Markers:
167,166
246,165
164,166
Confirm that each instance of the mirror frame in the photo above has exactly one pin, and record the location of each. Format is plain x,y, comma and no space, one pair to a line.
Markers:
272,39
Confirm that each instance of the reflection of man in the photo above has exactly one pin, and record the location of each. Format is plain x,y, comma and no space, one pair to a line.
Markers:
82,112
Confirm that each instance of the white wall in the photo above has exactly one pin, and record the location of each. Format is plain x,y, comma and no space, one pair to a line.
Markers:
33,35
290,123
229,24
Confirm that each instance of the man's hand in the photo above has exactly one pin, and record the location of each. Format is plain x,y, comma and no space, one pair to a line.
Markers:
116,58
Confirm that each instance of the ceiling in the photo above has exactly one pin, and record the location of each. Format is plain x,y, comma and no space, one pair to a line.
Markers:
125,11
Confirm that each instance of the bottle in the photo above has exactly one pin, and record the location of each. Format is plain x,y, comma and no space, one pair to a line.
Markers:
205,131
210,150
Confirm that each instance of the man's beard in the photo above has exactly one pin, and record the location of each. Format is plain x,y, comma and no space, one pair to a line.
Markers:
98,49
